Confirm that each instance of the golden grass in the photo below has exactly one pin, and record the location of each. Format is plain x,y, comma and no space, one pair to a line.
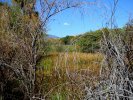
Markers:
72,61
55,66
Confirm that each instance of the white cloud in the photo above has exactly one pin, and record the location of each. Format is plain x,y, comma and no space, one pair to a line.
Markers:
66,24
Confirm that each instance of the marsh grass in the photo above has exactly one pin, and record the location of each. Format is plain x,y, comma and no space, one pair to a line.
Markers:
65,72
72,61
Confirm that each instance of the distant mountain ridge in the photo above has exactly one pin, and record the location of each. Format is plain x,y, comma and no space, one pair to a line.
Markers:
52,36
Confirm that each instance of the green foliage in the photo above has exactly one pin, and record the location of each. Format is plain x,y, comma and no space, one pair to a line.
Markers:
67,40
15,17
59,48
46,47
47,64
90,41
59,96
52,45
1,4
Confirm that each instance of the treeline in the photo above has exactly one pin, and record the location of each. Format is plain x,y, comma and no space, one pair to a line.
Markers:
88,42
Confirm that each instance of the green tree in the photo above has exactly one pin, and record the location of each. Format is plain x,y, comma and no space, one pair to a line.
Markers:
67,40
89,42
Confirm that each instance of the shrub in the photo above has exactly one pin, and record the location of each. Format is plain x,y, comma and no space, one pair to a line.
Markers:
89,42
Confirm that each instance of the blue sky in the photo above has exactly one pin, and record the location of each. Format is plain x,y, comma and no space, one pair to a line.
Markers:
73,22
92,17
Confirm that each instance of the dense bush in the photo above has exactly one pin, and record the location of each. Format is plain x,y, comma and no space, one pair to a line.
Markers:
20,47
67,40
90,41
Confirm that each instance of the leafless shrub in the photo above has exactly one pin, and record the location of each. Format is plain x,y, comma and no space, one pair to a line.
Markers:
21,38
116,72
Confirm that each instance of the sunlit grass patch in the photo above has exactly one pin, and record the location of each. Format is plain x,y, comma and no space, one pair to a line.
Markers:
72,61
71,68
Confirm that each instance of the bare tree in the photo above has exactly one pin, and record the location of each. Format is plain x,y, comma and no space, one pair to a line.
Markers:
21,43
116,74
